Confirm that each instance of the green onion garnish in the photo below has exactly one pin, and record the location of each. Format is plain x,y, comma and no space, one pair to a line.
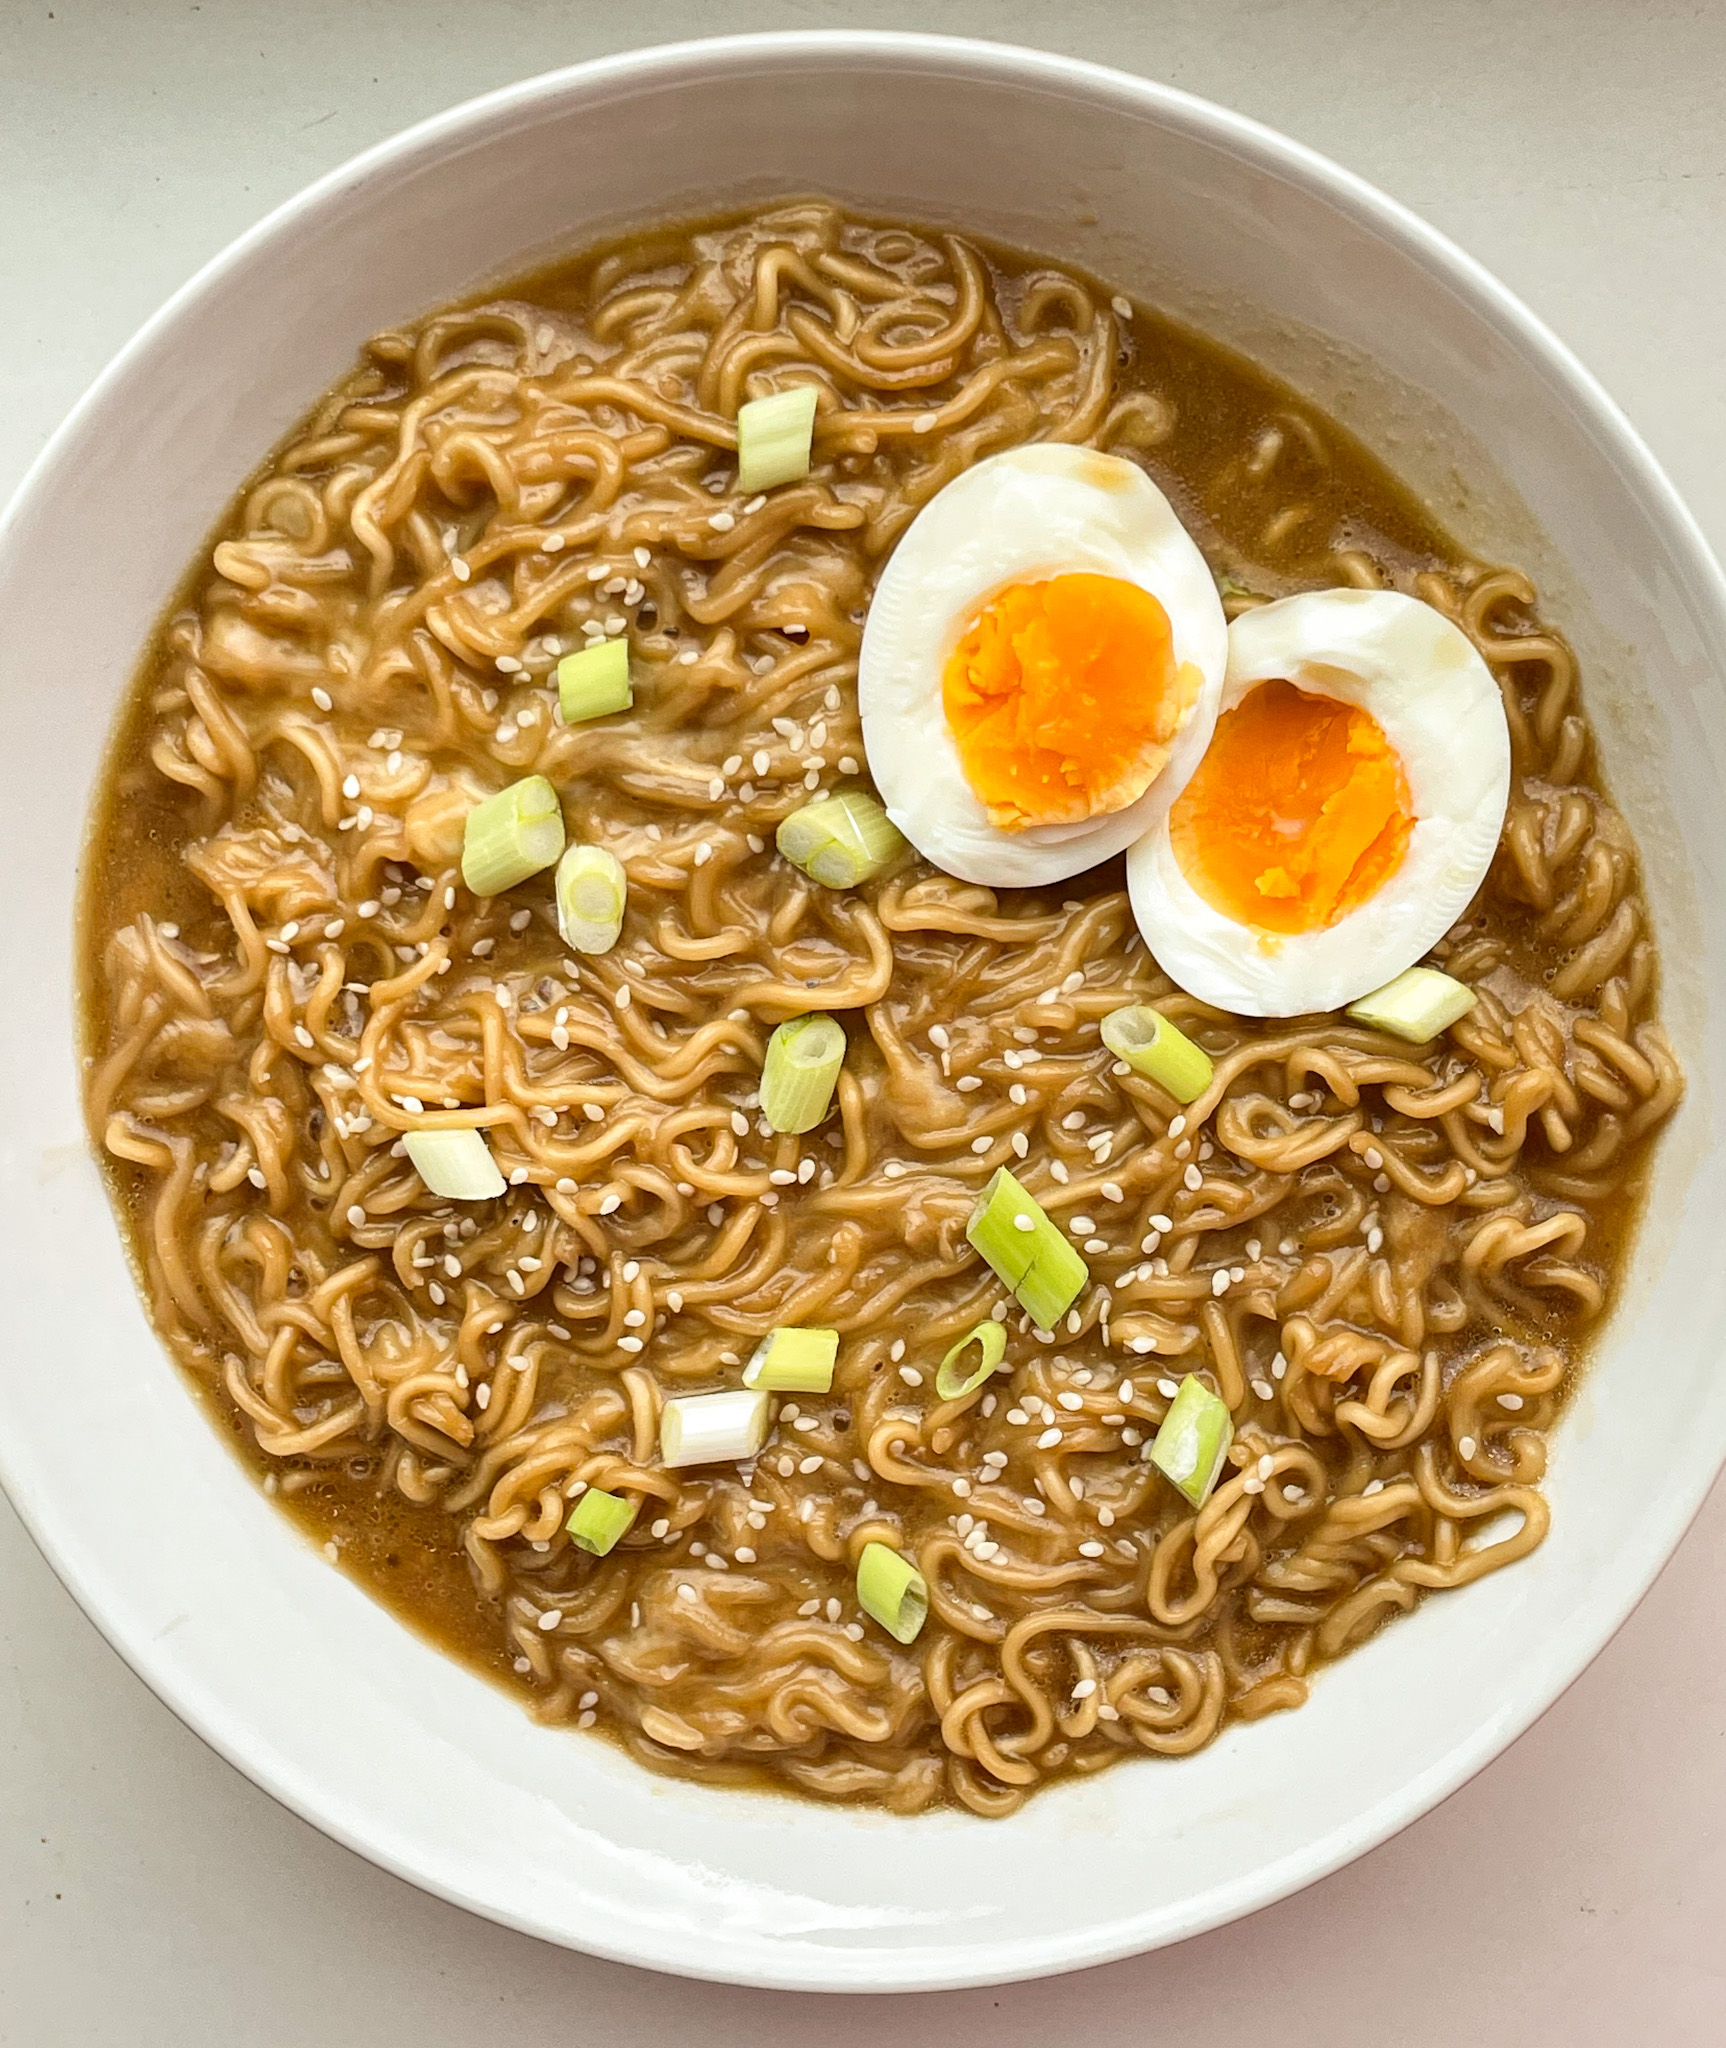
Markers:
511,835
591,891
794,1362
774,438
1190,1446
953,1380
892,1591
841,841
1152,1046
803,1060
595,682
600,1518
1010,1230
709,1429
1418,1005
455,1164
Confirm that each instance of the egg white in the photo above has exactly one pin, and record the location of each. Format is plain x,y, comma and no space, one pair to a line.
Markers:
1042,511
1439,707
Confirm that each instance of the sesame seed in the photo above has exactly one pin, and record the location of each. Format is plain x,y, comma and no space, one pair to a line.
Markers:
1091,1548
1112,1191
1048,1440
1069,1400
1510,1401
722,522
1466,1446
550,1619
685,1591
1193,1178
982,1145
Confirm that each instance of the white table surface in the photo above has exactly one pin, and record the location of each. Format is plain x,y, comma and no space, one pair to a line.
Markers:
1575,1892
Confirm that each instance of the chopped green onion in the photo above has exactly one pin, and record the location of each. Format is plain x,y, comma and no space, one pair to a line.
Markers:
892,1591
595,682
803,1061
794,1362
1010,1230
1190,1446
952,1380
455,1164
1418,1005
591,892
774,438
711,1429
1151,1046
845,839
600,1518
511,835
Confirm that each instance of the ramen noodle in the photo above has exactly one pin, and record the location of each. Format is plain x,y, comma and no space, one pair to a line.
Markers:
1386,1258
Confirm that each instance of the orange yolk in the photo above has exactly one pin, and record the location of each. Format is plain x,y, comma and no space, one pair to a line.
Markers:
1298,814
1063,698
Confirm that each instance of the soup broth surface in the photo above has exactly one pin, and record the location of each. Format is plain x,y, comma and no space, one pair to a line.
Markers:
1388,1259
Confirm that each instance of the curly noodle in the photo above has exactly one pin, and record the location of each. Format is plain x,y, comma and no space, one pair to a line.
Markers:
1386,1259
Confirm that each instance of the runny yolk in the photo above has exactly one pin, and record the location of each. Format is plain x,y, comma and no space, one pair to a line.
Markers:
1063,697
1298,814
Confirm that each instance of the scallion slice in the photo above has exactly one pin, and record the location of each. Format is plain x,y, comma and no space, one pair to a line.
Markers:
592,889
774,438
1196,1433
1010,1230
803,1060
455,1164
892,1591
1152,1046
511,835
954,1380
600,1519
711,1429
844,839
595,682
794,1362
1418,1005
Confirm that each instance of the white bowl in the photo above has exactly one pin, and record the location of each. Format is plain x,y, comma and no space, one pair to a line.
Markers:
286,1667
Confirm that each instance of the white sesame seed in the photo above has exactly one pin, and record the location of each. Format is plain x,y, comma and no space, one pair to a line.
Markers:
1070,1401
981,1144
1193,1178
1048,1440
1091,1548
1466,1446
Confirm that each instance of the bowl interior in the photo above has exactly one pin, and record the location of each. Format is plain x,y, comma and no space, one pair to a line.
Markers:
293,1672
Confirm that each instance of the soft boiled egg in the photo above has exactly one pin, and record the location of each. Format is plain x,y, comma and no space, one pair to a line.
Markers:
1344,814
1041,666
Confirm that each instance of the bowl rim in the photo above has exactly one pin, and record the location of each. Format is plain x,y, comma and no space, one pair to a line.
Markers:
1595,1620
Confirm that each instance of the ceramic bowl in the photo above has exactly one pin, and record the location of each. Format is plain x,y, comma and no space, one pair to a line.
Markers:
292,1672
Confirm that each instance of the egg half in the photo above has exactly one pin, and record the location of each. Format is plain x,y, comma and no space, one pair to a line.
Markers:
1344,814
1041,666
